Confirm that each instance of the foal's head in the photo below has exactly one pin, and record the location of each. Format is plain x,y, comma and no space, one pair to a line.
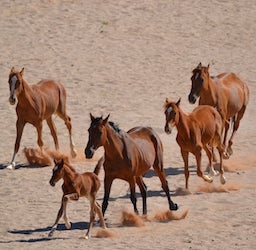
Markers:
200,74
171,115
15,84
97,135
57,171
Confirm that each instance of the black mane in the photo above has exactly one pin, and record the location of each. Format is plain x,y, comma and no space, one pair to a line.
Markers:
114,126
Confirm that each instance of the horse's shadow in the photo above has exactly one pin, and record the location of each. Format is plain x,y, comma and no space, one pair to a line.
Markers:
21,165
60,227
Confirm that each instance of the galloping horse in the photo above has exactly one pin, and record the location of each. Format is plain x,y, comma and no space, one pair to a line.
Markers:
76,185
37,103
201,129
128,155
226,92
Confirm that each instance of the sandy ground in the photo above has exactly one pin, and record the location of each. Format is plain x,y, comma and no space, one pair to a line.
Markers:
124,58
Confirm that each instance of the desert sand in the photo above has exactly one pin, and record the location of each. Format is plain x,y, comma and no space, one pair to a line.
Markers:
124,58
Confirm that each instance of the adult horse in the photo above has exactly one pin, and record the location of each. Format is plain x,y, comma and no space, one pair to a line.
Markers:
226,92
37,103
128,155
201,129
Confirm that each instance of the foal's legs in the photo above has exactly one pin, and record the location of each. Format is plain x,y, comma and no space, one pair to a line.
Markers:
19,130
53,132
62,208
209,152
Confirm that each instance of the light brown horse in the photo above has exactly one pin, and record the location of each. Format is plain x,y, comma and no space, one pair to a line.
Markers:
128,155
37,103
76,185
226,92
201,129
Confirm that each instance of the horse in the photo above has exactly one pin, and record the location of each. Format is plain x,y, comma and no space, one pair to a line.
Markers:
201,129
226,92
76,185
36,103
128,156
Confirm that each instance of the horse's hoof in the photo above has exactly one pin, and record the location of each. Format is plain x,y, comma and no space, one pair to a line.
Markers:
68,225
222,179
174,207
11,166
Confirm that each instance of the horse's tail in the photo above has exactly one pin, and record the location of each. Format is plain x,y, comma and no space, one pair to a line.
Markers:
99,165
158,149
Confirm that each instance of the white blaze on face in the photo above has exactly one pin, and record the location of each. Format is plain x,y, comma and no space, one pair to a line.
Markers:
55,168
197,75
169,110
13,84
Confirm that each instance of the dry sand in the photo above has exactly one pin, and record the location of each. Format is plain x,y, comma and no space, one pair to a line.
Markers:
124,58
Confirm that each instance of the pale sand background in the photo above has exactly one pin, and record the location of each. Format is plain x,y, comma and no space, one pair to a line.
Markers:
125,58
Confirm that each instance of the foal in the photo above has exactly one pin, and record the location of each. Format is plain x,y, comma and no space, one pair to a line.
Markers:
202,129
76,185
36,103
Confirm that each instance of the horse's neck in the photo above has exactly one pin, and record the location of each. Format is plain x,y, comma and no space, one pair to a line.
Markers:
114,144
69,174
182,124
209,94
26,97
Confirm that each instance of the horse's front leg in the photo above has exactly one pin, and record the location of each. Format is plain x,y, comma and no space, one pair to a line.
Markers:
184,155
60,212
227,124
19,130
107,186
198,155
92,217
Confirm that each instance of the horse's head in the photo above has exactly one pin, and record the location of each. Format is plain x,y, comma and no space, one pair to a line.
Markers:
15,84
171,115
57,171
97,135
200,75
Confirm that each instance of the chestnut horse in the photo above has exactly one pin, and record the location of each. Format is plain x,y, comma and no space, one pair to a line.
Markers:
76,185
128,156
37,103
201,129
226,92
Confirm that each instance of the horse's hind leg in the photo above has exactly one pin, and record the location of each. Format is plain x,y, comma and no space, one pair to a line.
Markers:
67,121
209,152
133,195
162,177
222,177
53,132
235,128
143,191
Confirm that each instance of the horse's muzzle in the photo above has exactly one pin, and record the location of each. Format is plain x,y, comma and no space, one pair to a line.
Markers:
52,183
192,98
89,152
167,129
12,100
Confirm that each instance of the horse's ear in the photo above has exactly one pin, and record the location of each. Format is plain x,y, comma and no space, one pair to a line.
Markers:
199,65
208,66
92,117
166,100
106,119
12,69
178,102
22,71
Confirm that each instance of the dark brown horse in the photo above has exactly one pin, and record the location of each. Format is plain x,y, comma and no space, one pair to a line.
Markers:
37,103
128,155
201,129
76,185
226,92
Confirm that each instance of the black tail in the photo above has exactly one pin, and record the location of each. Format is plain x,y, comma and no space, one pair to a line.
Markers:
99,165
